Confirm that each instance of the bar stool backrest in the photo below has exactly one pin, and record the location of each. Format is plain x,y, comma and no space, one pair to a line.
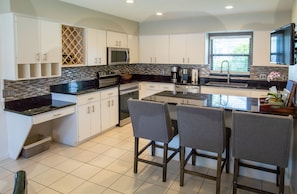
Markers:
150,120
201,128
261,137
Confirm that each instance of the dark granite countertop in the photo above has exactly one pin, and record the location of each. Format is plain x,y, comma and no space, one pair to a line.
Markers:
227,102
35,105
252,83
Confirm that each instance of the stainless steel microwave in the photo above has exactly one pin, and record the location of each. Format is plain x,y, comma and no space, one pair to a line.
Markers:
117,56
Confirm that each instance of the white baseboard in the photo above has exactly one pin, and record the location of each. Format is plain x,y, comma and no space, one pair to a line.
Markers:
3,156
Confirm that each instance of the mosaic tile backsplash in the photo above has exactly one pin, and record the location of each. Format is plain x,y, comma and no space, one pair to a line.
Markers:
14,90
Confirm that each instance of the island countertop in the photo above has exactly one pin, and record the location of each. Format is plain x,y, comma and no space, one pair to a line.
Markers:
227,102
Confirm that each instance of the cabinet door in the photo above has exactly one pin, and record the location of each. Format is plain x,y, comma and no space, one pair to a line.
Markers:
115,39
146,47
177,49
27,40
101,41
114,111
50,42
92,47
96,47
133,48
105,117
161,49
261,42
109,112
84,124
95,119
195,49
225,90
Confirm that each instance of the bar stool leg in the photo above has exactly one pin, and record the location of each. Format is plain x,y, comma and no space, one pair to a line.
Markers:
182,165
218,178
136,145
235,175
193,157
165,155
282,181
153,148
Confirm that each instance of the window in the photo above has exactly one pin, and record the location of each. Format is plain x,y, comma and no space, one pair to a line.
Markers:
230,49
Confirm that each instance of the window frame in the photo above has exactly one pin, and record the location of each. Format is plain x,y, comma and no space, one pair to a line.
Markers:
230,34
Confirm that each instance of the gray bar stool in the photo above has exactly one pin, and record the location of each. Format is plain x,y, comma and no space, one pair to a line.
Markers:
203,128
261,138
151,120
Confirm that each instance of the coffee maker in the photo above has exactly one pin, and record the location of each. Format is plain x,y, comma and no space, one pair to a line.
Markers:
174,74
195,76
184,75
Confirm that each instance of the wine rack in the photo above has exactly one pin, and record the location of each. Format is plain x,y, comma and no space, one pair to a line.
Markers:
72,45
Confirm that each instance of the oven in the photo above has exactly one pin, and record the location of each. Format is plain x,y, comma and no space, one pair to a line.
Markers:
127,90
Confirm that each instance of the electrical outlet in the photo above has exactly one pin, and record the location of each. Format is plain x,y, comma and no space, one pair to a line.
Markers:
262,76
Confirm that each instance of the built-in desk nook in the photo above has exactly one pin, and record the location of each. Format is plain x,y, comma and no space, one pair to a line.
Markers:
23,116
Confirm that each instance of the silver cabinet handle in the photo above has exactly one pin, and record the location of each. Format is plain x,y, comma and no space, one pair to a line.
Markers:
45,57
37,56
93,107
90,98
56,115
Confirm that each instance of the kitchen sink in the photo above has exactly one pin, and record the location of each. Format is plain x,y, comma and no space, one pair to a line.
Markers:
226,84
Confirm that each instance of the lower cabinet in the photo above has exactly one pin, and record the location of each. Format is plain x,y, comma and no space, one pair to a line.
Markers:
150,88
95,112
253,93
109,108
88,120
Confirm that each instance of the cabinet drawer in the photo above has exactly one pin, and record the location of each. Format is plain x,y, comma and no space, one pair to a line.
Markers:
40,118
109,93
87,98
152,87
167,87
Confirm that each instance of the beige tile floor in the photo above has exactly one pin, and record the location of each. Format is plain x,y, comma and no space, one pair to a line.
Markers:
104,164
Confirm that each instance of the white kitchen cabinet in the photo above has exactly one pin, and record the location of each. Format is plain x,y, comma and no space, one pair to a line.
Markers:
96,47
225,90
109,108
257,93
261,43
133,43
187,49
253,93
30,47
116,39
86,122
150,88
154,49
88,115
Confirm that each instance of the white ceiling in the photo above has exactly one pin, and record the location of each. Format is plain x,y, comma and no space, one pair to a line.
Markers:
144,10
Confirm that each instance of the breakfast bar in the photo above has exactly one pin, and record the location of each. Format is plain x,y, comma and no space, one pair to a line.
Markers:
229,103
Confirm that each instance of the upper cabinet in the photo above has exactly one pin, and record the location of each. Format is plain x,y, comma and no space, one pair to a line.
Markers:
187,49
133,43
154,49
96,47
31,48
261,48
116,39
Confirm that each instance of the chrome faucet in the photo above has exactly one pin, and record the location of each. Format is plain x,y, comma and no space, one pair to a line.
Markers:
228,69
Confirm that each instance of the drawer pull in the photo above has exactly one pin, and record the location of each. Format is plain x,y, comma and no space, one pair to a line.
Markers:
56,115
91,98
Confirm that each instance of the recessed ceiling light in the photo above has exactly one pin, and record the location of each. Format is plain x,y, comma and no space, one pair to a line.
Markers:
129,1
159,13
229,7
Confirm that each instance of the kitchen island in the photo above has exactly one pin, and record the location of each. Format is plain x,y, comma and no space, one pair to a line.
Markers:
229,103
